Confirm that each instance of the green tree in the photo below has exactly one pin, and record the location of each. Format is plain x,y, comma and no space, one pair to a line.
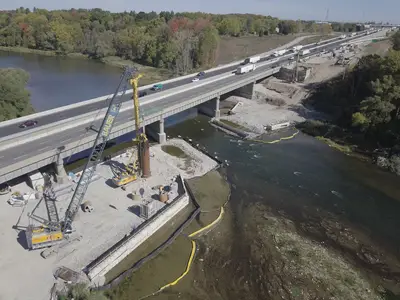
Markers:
360,120
366,102
229,26
14,97
208,46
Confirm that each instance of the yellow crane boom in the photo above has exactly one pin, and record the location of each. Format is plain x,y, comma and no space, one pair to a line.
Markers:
131,169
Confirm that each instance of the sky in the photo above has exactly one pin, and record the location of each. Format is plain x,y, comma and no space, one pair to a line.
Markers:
339,10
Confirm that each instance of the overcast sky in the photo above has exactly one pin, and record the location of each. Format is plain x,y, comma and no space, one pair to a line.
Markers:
341,10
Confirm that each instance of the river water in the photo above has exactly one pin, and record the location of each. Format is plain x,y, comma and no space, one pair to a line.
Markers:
348,206
59,81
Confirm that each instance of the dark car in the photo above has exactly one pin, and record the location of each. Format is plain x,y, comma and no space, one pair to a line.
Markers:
142,94
201,74
29,123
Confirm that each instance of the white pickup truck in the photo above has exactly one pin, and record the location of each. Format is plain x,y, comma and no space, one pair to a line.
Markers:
245,69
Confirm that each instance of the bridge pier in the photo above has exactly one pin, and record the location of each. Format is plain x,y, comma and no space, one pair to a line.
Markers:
217,111
60,171
246,91
162,137
157,134
211,108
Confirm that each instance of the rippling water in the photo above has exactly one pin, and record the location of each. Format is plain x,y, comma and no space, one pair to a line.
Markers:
303,222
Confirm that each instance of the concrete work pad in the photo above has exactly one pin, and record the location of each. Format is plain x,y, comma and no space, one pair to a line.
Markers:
114,214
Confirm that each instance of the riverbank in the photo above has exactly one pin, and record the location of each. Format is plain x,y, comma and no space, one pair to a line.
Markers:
277,101
350,126
41,52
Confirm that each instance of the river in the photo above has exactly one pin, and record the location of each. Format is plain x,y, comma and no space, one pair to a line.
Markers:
59,81
330,199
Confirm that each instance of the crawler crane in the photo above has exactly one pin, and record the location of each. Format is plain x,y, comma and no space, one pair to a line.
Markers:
141,164
51,233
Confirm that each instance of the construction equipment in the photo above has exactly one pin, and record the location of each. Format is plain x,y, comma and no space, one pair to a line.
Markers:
140,165
53,231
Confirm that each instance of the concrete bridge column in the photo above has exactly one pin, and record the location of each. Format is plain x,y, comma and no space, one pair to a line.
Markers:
217,111
61,174
162,137
210,108
246,91
156,131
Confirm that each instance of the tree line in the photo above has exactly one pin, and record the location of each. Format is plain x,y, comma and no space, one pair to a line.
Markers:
179,41
364,103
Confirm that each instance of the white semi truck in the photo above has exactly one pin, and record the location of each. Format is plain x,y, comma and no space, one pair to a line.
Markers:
252,60
304,52
297,48
279,52
245,69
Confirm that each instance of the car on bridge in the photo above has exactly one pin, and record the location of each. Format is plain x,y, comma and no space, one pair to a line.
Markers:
29,123
195,79
201,74
157,87
142,94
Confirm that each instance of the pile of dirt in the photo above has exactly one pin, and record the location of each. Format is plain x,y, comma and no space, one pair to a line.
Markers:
262,95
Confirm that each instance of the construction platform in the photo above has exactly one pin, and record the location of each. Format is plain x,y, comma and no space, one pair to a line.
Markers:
116,212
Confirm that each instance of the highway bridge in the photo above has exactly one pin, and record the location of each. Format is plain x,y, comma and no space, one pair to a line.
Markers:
63,132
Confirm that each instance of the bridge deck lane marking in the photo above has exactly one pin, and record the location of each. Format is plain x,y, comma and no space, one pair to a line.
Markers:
15,158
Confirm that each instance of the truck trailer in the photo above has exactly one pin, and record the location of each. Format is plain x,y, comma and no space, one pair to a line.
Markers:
252,60
246,69
304,52
297,48
279,52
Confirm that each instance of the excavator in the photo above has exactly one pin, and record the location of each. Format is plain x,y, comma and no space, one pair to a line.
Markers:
134,167
55,231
